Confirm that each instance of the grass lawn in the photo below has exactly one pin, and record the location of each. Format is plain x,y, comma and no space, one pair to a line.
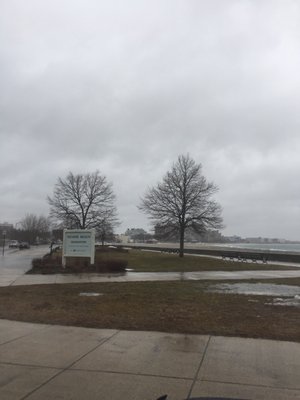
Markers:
183,306
149,261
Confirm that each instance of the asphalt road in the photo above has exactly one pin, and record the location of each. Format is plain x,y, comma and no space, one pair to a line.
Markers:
15,262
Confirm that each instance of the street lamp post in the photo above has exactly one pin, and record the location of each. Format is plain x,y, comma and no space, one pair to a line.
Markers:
4,235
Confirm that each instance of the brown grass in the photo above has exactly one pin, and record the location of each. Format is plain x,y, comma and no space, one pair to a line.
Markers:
184,307
149,261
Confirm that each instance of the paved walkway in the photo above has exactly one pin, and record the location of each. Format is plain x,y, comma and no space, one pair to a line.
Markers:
14,280
55,362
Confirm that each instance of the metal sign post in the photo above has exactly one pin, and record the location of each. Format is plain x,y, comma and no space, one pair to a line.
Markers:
4,235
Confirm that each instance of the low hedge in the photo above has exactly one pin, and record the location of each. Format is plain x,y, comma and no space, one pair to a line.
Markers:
53,265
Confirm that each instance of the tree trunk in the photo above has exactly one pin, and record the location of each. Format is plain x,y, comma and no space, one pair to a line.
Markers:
181,247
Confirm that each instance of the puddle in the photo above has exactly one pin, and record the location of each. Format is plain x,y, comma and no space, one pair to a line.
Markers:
264,289
90,294
289,295
290,301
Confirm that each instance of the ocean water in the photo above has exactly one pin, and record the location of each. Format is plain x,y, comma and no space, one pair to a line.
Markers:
281,247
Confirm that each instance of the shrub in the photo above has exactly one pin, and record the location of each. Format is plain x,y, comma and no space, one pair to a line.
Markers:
45,265
111,265
46,262
52,265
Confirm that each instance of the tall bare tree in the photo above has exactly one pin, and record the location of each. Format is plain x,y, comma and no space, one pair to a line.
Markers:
83,201
183,201
34,228
105,232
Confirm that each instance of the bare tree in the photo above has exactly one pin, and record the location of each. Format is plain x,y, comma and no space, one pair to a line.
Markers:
182,201
34,228
82,201
105,229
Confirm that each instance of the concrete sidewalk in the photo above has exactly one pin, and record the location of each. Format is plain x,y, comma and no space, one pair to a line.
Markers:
12,280
56,362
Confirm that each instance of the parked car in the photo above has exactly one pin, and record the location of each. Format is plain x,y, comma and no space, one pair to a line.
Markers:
13,244
24,245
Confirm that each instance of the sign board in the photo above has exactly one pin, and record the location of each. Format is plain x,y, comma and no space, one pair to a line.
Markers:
79,243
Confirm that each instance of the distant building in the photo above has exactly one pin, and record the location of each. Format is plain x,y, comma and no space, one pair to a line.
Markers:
233,239
212,236
124,239
6,227
138,235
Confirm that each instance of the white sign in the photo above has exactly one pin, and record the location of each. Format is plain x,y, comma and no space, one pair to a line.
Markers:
79,243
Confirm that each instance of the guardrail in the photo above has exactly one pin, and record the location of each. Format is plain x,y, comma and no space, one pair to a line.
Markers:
245,257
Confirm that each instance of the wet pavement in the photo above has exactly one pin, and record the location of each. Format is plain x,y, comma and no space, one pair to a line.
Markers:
14,263
144,277
61,362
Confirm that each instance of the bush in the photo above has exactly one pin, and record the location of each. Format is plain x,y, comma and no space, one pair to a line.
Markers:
53,265
47,261
45,265
111,265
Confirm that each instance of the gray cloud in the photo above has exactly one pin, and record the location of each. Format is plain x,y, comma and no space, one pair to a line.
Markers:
126,87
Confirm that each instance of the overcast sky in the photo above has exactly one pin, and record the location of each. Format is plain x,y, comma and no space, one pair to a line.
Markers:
127,86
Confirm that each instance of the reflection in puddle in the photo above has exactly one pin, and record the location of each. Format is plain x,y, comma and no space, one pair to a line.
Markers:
290,301
289,295
264,289
90,294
